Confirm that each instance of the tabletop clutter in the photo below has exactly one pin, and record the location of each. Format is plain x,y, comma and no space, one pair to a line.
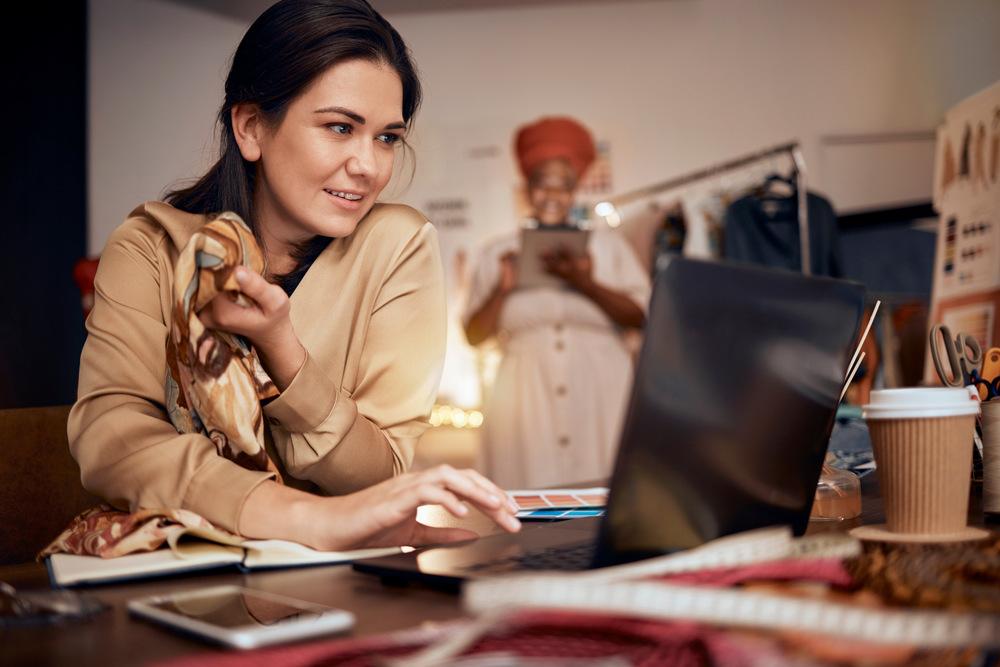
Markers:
922,587
925,442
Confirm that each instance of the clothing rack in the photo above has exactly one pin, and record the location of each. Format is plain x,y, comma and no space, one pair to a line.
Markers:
608,209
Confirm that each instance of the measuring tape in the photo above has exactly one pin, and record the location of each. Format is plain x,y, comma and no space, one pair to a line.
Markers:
615,590
664,601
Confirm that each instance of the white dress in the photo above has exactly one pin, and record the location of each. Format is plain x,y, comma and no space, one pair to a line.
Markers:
555,412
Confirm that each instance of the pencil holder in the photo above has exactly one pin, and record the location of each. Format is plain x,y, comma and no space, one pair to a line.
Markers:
838,495
991,457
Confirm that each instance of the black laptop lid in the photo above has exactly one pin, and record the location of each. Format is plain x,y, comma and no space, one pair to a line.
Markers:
733,402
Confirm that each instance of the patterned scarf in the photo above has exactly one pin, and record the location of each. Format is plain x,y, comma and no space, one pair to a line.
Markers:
215,382
214,386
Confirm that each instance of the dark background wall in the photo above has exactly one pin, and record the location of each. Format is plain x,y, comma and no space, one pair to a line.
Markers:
43,189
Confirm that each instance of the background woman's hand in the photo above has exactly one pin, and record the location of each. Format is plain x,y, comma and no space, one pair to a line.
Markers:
263,320
577,270
386,514
508,272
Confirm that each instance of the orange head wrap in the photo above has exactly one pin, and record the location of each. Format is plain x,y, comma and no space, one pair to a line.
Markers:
550,138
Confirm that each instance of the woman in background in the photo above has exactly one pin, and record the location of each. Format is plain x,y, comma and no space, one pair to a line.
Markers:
318,99
556,408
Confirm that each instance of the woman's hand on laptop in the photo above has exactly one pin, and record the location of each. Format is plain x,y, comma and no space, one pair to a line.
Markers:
381,515
386,514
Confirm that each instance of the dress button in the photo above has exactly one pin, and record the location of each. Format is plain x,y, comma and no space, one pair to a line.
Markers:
560,345
564,441
561,390
558,328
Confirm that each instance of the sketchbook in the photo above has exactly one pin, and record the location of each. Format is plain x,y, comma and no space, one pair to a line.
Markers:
198,549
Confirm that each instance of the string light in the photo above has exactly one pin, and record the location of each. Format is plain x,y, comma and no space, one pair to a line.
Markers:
609,212
455,417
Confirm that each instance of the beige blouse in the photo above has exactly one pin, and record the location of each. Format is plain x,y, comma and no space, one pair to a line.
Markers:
371,315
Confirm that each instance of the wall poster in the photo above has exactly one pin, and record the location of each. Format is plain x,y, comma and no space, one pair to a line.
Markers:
966,290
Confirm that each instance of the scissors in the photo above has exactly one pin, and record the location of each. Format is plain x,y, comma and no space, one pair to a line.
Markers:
989,389
963,355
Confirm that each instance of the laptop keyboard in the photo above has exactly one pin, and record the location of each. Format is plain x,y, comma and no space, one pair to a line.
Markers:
568,557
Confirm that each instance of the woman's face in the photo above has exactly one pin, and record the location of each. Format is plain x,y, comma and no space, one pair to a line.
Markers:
321,169
550,191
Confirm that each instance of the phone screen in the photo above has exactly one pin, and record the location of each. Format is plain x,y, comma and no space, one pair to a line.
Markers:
235,609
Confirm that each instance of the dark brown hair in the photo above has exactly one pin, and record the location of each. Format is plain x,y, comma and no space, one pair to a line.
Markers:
285,49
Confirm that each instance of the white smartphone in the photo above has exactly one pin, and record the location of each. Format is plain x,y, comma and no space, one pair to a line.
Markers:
241,617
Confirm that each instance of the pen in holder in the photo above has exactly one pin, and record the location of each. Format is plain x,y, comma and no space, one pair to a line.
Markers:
838,495
838,492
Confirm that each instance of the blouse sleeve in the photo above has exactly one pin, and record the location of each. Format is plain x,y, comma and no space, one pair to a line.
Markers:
629,276
345,441
119,432
486,275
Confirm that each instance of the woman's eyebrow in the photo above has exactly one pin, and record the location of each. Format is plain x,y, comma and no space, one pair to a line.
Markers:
358,118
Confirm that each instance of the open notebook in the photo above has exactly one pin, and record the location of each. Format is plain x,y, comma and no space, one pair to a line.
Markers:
197,549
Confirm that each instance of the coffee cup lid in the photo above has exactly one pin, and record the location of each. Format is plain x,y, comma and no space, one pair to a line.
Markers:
922,403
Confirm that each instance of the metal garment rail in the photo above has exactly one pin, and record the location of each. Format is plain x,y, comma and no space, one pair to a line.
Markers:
611,205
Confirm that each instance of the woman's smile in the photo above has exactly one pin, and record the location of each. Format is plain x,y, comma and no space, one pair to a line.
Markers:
348,200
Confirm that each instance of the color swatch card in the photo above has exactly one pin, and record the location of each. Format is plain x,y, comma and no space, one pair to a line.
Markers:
558,514
562,499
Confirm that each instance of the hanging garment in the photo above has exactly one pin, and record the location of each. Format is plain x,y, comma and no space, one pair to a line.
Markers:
766,232
555,411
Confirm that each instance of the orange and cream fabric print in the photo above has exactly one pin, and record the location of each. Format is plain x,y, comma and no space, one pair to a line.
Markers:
215,382
214,386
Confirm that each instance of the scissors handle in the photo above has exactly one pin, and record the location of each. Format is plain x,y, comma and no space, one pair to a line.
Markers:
983,384
970,353
955,377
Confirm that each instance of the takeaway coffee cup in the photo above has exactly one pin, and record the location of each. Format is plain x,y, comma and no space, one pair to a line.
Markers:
922,439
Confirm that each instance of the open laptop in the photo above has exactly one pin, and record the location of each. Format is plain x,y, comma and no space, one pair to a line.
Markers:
732,405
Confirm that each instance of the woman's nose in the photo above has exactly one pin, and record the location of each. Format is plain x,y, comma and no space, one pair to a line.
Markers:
362,159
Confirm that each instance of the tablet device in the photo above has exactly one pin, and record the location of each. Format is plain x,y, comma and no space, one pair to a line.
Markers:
535,243
241,617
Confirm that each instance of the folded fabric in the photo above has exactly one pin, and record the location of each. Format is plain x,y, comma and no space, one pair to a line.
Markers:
556,638
106,532
536,638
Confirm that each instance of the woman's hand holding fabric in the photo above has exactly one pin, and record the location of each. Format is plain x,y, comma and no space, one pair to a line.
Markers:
386,514
262,318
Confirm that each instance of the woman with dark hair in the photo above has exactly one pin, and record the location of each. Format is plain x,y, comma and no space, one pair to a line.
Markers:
340,338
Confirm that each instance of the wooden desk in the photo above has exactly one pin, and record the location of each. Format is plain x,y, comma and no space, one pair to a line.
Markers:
113,638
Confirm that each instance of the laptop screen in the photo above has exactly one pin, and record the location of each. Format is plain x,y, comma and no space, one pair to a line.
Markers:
734,397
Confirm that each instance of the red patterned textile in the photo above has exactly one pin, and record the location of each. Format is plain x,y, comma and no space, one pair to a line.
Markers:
106,532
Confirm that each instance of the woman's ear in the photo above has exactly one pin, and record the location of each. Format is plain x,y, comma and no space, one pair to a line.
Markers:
247,128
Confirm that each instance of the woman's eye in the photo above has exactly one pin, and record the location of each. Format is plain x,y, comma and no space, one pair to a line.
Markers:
340,128
389,138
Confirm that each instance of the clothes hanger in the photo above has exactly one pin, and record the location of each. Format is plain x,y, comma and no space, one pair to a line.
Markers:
777,187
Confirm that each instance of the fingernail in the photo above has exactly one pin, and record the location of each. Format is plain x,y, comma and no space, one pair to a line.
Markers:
241,274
